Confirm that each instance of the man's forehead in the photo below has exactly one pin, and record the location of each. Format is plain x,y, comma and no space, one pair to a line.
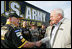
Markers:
15,18
53,13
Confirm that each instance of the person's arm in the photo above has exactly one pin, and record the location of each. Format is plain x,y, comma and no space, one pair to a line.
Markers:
46,37
44,40
29,44
19,41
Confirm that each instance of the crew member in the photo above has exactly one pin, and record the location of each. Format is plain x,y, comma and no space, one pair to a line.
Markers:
11,35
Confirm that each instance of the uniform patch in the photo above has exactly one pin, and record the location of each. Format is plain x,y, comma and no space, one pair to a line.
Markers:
17,30
19,34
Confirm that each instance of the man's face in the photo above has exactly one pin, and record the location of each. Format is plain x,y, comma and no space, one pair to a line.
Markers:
43,26
54,17
15,21
33,27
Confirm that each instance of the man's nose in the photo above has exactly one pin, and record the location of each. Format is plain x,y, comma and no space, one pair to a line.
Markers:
50,18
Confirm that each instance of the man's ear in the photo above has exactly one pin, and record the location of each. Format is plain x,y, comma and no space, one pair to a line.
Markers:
59,15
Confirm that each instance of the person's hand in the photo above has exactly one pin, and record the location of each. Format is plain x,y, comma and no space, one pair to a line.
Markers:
29,45
38,43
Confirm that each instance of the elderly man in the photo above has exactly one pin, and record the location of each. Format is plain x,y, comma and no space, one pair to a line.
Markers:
60,33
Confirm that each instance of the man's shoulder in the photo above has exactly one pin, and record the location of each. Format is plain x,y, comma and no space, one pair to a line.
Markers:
49,27
67,20
6,26
66,23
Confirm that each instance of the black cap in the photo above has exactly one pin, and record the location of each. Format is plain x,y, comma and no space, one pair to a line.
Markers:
14,15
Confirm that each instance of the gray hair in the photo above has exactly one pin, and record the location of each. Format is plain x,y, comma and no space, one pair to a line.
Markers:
58,10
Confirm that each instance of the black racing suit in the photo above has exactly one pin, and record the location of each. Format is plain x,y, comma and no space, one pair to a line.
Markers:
11,37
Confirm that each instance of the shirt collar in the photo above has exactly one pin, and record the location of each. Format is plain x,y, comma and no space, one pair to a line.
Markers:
59,22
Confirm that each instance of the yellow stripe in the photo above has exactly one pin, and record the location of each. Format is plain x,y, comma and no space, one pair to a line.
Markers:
23,40
8,22
22,44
